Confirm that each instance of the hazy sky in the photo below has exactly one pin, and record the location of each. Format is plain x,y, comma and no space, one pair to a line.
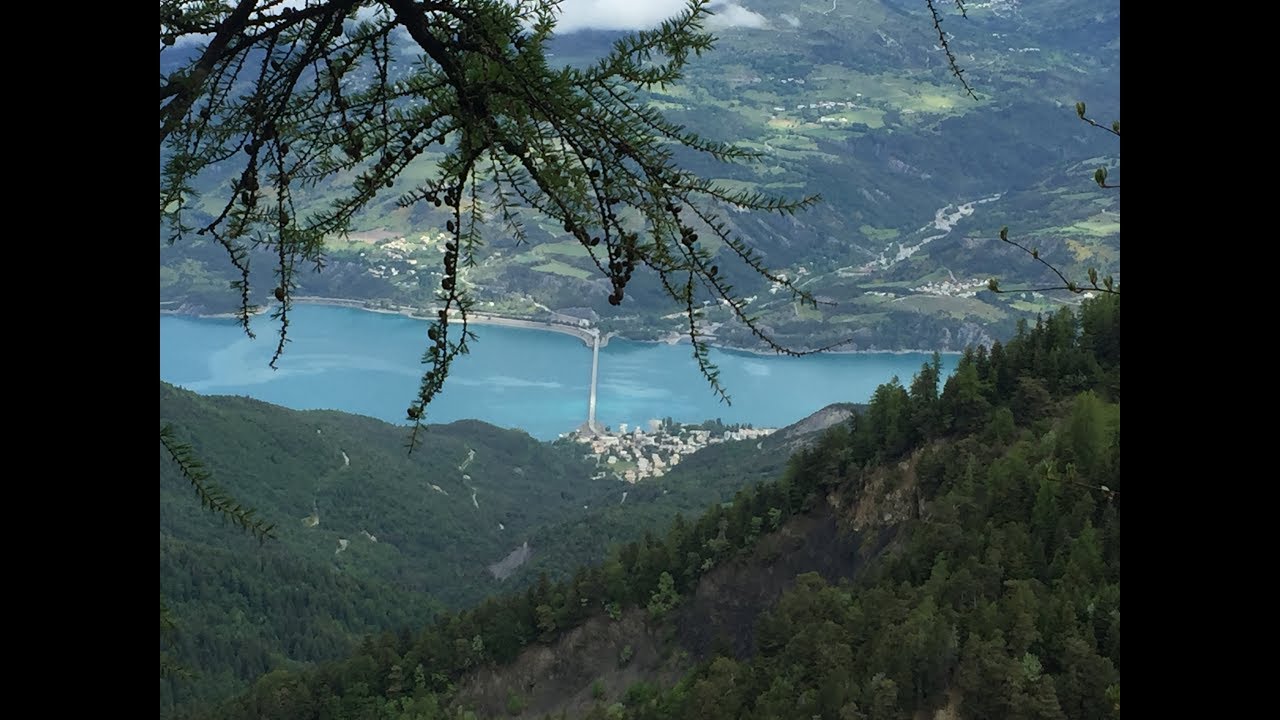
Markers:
638,14
610,15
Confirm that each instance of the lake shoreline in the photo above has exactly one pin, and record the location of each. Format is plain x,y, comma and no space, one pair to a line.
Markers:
359,363
583,334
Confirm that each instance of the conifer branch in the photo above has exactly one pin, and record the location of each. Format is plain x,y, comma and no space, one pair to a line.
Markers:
1108,284
952,62
295,98
211,495
1115,124
170,668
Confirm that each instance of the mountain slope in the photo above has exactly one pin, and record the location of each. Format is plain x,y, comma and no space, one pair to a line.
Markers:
326,475
373,539
996,595
370,538
849,100
710,476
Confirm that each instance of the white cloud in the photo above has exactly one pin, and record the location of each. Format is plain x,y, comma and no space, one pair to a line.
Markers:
735,16
377,12
185,40
643,14
578,15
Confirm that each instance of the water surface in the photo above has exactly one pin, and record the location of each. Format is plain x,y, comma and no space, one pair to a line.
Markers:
370,364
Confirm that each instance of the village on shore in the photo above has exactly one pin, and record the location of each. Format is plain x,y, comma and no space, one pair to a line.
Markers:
634,454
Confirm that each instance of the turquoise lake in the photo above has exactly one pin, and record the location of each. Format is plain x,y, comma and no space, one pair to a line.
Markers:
369,363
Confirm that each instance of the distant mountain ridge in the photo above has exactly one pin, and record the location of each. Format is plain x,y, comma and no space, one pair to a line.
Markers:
852,101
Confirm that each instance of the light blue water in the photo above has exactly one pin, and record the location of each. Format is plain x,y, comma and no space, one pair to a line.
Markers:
369,364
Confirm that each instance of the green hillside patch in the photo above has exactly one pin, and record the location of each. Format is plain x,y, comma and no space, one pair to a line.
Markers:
959,308
864,319
410,548
337,244
806,312
555,267
879,234
870,117
566,248
1092,251
784,147
890,284
664,105
914,94
422,169
933,102
1100,225
1037,305
827,131
872,300
794,141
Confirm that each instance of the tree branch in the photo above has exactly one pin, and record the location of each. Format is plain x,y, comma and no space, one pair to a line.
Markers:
188,86
952,62
211,496
1108,285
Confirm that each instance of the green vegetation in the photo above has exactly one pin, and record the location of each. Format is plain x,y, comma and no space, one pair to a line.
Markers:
241,610
286,125
1000,591
912,143
710,476
987,511
881,234
556,267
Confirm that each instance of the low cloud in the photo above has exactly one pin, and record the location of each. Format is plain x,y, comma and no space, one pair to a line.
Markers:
200,39
578,15
644,14
730,15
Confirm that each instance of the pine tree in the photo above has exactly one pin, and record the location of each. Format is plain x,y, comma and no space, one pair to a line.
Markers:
286,98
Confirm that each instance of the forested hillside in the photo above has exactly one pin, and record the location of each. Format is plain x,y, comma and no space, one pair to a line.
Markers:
369,536
955,547
711,475
373,539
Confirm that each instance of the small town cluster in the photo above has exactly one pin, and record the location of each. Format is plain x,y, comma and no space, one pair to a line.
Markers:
632,455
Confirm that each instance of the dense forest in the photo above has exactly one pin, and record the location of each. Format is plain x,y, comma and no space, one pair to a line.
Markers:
368,537
988,512
416,541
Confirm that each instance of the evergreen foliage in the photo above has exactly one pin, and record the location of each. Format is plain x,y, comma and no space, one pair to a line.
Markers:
1005,590
239,608
233,609
291,98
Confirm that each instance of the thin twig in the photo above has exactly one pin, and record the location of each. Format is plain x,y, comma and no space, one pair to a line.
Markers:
946,46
